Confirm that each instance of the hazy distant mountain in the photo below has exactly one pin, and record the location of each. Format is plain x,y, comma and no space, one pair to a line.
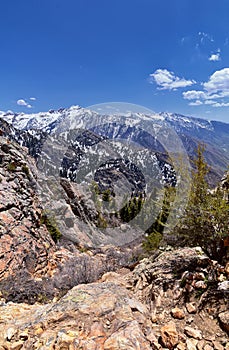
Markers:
214,134
74,151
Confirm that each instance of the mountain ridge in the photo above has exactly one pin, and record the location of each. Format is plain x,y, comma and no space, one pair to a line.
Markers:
191,130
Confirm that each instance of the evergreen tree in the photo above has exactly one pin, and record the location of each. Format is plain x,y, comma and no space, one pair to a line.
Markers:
205,221
154,233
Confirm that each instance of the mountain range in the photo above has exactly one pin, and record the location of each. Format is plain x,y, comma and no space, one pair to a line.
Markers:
30,130
74,277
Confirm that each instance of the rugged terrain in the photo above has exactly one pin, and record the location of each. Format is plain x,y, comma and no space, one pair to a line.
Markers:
57,291
190,130
32,266
23,241
177,300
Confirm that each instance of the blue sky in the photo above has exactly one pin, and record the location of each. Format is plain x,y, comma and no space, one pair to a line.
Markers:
165,55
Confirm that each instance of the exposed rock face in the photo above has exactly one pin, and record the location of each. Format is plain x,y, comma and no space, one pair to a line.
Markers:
225,186
96,316
169,335
32,140
128,310
174,300
24,243
32,267
224,319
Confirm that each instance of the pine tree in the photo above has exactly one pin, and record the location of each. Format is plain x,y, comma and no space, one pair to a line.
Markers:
205,222
154,233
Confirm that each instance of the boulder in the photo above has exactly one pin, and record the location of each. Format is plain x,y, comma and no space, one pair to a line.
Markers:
178,313
193,333
224,320
169,335
94,316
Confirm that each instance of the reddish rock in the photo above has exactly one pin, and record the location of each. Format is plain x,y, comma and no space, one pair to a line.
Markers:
191,344
95,316
192,332
191,308
224,320
169,335
25,245
177,313
227,269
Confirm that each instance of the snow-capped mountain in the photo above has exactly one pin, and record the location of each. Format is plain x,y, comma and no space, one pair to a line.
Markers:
101,168
215,135
46,120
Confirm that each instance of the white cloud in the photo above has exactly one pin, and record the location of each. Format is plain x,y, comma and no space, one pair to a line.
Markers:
218,82
221,104
214,57
196,103
22,102
215,90
210,102
32,98
198,94
194,94
167,80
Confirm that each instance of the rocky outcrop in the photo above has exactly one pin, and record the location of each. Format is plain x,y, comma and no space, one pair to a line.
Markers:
158,305
32,140
224,319
32,266
95,316
25,244
225,186
177,299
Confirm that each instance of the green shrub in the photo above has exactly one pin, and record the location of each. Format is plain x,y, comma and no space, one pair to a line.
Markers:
131,209
154,234
101,221
205,219
106,195
152,241
51,225
25,170
11,166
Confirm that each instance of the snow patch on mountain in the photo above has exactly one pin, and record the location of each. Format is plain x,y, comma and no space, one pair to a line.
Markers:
48,121
187,122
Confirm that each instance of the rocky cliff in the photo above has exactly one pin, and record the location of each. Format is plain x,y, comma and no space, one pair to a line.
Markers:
177,300
62,296
32,266
24,242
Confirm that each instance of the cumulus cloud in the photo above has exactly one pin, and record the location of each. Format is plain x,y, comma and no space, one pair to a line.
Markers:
218,82
210,102
221,104
205,95
214,57
194,94
22,102
32,98
166,80
196,103
215,90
